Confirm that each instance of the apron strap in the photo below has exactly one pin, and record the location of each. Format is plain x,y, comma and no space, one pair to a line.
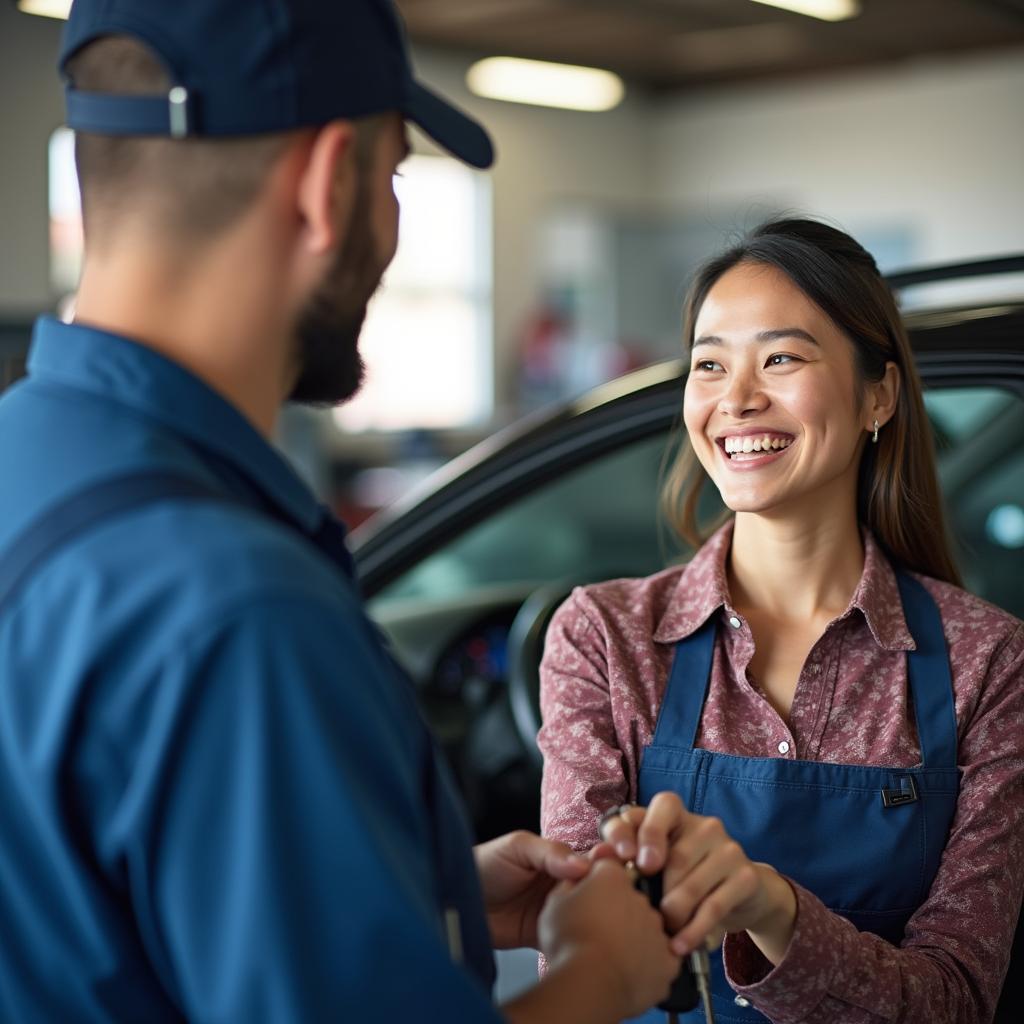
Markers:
681,707
928,672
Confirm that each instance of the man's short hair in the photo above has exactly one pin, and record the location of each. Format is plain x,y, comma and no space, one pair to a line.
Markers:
191,189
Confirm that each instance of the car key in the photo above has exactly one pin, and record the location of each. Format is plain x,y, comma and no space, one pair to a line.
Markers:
701,967
692,984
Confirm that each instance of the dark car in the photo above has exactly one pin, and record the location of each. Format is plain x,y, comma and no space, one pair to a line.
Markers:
464,575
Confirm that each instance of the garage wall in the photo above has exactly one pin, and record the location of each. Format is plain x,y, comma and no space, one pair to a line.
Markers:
32,107
934,149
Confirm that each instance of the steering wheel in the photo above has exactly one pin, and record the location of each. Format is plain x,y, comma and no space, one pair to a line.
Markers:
525,648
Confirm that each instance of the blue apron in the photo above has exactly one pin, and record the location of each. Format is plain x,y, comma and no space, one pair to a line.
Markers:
865,840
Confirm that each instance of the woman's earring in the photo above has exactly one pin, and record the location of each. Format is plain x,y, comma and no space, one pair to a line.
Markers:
874,436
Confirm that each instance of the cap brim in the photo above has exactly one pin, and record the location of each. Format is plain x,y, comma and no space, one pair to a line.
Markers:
449,127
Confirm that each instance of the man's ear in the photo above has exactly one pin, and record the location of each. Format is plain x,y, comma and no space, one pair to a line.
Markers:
883,396
327,186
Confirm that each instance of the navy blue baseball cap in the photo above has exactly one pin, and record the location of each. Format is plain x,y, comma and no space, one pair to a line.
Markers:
242,67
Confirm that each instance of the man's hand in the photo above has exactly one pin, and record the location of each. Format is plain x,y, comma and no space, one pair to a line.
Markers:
608,955
517,872
711,887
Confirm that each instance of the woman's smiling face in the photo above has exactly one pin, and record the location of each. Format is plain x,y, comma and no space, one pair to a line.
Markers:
772,403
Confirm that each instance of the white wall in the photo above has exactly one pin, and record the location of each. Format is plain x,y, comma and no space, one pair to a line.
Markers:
935,146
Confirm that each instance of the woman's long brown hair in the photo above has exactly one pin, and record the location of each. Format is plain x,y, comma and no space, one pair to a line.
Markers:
898,496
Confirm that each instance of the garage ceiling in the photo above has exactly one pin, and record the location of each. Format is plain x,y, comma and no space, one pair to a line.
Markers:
679,44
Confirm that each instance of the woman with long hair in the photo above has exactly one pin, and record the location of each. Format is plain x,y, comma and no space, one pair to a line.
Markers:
824,733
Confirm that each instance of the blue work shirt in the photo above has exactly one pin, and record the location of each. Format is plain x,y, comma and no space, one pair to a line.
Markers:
218,799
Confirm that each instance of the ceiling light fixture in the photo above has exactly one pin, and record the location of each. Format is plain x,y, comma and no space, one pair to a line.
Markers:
826,10
47,8
545,84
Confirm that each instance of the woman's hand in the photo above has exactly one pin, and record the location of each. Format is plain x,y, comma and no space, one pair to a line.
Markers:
517,872
711,887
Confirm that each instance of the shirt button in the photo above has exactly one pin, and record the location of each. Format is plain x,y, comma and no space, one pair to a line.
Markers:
742,1001
734,622
783,747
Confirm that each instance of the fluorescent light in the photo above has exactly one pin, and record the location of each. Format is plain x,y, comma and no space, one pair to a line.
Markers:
826,10
47,8
545,84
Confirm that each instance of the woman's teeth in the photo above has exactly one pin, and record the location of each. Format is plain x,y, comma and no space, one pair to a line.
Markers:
745,445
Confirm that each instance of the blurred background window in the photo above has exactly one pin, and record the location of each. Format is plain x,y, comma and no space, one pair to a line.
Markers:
428,336
65,213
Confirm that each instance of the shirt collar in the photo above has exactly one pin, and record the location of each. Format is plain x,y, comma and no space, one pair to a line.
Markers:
703,588
134,375
878,598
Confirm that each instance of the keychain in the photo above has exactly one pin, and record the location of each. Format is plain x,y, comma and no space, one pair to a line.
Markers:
693,983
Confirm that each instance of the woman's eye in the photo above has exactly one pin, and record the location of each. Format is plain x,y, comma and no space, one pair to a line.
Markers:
781,359
707,365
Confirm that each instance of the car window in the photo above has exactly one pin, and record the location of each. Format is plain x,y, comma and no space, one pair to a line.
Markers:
980,448
601,520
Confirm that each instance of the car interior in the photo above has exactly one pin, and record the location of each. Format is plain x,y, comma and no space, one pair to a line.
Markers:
468,620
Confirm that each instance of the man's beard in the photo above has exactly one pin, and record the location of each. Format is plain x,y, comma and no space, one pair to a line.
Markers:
330,367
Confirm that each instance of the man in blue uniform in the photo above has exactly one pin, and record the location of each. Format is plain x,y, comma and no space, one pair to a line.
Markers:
218,801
